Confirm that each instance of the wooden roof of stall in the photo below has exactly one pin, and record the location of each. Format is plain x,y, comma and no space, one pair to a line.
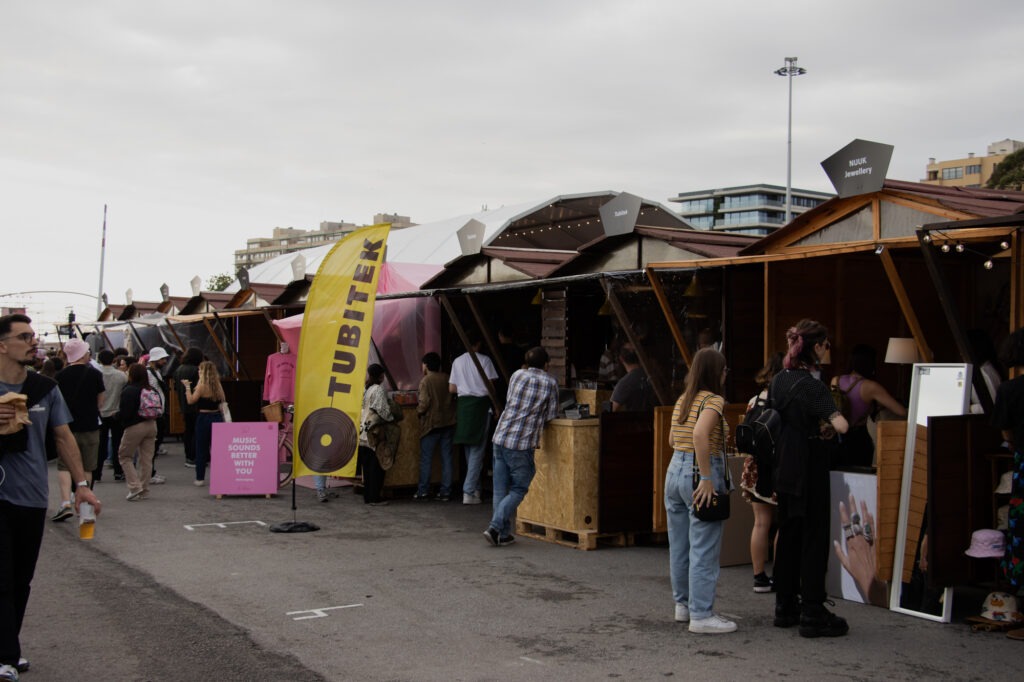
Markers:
567,238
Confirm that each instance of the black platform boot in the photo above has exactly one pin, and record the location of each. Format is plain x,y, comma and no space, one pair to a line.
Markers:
817,621
787,611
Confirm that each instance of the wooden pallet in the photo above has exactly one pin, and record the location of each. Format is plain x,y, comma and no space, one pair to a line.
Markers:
577,539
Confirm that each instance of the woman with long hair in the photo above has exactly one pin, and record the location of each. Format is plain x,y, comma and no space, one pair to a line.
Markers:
207,396
698,441
809,418
139,434
762,505
374,437
866,396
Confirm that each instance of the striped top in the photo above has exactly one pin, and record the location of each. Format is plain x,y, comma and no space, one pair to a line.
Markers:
682,434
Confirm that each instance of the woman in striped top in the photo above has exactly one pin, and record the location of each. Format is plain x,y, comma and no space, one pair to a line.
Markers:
698,440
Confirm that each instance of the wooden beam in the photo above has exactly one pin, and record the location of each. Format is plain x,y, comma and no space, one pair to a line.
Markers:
905,306
876,219
174,331
666,310
220,347
641,352
231,345
460,330
485,333
1016,282
273,327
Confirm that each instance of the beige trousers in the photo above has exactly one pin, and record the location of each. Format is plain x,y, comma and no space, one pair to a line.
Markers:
141,436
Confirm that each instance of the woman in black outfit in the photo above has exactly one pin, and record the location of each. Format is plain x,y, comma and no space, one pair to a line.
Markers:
809,418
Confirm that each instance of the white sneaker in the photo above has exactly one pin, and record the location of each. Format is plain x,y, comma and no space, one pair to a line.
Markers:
8,673
471,499
682,613
157,480
712,625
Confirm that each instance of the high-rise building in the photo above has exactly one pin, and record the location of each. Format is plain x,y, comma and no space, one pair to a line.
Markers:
747,209
973,171
291,239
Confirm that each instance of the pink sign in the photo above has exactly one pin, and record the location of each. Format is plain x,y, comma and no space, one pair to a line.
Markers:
244,459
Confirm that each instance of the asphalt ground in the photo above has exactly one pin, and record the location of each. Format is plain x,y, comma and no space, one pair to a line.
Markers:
182,586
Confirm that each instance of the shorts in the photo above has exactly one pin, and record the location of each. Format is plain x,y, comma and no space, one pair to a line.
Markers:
89,445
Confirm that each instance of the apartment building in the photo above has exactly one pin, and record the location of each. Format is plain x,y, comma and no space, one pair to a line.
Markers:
973,171
291,239
747,209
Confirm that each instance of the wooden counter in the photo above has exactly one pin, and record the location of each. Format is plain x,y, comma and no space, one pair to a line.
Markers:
564,492
405,472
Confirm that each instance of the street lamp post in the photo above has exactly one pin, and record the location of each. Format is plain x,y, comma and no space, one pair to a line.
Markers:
790,70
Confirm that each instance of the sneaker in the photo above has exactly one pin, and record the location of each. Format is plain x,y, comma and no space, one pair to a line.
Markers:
443,497
817,621
762,583
490,534
8,673
22,665
157,480
421,497
682,613
470,498
190,463
162,451
119,477
506,541
321,495
108,464
380,503
712,625
63,514
134,495
198,483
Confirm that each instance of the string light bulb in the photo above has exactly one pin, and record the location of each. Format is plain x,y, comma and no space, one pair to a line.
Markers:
945,248
959,248
988,264
1004,245
927,239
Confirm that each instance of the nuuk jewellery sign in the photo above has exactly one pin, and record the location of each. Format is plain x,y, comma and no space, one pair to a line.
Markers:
859,167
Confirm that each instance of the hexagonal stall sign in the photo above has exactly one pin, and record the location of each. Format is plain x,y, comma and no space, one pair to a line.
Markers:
859,167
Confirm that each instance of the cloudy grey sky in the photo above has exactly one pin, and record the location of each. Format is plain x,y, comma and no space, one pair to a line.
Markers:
204,123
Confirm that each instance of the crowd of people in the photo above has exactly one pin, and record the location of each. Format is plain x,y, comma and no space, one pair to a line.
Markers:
112,413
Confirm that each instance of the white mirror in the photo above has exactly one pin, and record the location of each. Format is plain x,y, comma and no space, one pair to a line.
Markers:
935,390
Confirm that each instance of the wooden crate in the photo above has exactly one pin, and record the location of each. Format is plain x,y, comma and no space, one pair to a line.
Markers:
564,491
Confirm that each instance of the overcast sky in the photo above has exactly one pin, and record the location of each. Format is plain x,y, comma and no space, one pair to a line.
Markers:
204,123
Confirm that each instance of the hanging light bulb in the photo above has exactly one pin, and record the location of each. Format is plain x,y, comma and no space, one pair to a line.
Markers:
1004,245
988,264
945,248
960,248
927,239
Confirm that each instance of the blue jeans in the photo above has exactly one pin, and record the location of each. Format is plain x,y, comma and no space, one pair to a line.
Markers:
320,482
204,437
694,546
475,463
428,443
513,471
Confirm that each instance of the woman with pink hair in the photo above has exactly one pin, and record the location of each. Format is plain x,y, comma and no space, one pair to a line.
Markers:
809,419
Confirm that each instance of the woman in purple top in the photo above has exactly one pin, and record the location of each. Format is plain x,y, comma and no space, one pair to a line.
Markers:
866,396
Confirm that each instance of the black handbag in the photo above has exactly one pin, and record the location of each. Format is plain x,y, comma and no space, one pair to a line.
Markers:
718,508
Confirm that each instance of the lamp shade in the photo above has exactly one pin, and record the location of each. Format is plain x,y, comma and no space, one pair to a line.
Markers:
901,351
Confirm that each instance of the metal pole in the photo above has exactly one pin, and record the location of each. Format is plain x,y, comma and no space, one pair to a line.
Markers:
789,150
790,70
103,254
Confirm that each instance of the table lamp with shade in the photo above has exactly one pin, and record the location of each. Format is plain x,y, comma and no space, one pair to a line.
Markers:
901,351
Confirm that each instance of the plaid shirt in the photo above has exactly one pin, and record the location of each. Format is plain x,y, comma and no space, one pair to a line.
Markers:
532,401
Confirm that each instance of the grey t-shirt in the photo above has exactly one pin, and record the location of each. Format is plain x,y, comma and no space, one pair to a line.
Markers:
23,475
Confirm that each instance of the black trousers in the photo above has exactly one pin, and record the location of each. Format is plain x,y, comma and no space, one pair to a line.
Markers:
21,534
189,437
373,475
801,559
110,433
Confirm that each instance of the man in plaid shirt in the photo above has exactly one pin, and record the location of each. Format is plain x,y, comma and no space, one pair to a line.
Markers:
531,402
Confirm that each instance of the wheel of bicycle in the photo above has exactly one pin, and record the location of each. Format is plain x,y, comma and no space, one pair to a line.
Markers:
284,469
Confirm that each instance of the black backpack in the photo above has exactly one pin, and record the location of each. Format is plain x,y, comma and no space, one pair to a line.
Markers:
758,436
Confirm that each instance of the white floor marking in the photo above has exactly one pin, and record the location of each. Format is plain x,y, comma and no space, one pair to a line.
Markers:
319,613
222,524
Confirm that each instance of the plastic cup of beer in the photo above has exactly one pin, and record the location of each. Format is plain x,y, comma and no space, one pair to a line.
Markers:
86,521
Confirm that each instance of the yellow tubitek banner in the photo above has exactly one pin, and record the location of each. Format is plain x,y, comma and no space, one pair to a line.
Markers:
333,351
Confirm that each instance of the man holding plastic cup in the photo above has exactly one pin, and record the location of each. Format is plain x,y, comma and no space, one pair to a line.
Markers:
24,490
